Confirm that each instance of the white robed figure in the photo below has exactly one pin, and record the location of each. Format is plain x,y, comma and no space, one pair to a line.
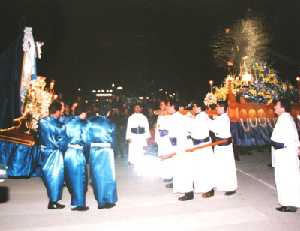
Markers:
199,164
285,149
224,163
137,134
178,137
163,125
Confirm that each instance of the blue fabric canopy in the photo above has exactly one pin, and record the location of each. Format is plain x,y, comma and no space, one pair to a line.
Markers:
10,74
252,136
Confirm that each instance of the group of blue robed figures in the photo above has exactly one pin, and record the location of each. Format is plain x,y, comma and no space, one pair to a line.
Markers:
67,146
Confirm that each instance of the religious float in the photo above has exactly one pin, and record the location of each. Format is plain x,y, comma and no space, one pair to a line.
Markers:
251,84
250,108
27,100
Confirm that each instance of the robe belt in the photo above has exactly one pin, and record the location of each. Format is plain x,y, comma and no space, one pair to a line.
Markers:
277,145
101,145
76,146
138,130
43,147
163,132
226,140
199,141
173,141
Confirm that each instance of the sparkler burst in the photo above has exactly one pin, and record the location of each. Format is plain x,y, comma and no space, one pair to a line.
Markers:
246,38
243,50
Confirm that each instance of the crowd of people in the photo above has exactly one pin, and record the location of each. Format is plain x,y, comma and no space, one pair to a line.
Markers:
195,150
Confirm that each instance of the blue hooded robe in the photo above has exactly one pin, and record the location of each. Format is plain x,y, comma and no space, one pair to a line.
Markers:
52,139
75,161
102,167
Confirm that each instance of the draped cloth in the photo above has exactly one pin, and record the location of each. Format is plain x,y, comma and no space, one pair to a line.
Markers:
21,160
52,139
247,133
10,72
101,134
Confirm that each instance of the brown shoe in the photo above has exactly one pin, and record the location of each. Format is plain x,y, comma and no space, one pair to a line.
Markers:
229,193
55,205
187,196
292,209
208,194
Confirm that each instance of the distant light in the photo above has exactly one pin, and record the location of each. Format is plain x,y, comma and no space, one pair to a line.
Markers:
119,88
107,90
103,94
113,85
99,90
111,90
147,97
227,30
160,89
86,101
298,78
174,93
102,90
78,89
229,63
94,91
210,82
141,97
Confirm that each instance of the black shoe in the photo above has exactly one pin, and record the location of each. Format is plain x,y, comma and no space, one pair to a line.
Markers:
292,209
170,185
55,205
229,193
167,180
106,206
80,208
208,194
187,196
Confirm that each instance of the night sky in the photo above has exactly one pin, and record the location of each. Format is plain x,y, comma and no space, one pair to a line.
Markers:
142,44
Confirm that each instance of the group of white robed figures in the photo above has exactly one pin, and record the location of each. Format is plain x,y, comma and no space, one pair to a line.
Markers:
193,165
200,170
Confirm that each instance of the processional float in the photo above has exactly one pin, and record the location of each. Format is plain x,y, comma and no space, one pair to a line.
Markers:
250,108
35,96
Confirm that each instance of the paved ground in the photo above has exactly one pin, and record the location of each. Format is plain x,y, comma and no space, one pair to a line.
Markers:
145,204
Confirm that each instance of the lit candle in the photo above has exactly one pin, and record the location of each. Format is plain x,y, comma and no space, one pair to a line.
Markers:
211,84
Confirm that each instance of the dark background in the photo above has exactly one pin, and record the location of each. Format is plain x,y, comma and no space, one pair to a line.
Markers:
145,45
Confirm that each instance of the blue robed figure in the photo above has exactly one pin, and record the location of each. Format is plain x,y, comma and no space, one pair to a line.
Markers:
52,138
75,160
102,167
66,118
